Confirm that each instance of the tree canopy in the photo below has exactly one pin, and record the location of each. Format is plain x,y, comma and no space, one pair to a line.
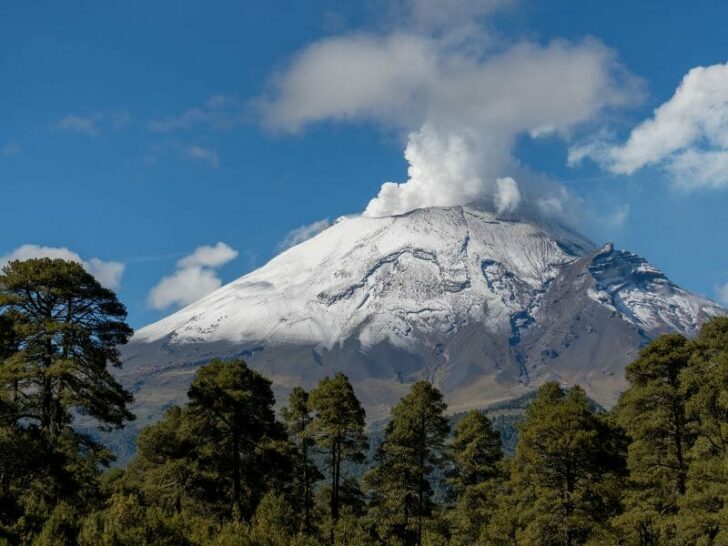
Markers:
67,330
223,469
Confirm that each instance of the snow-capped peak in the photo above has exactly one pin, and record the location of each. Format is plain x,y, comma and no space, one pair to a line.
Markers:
486,307
380,277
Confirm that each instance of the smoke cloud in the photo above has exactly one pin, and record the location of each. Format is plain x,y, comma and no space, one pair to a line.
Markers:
460,100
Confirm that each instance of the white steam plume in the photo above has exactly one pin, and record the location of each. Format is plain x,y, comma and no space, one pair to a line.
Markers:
508,196
443,171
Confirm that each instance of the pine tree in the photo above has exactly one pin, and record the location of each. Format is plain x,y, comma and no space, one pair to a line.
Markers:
412,451
652,412
59,334
703,515
8,337
566,472
8,381
298,418
234,407
476,454
338,428
34,476
166,471
476,451
68,329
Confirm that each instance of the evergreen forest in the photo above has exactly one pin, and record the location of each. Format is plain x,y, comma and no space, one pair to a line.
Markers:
229,469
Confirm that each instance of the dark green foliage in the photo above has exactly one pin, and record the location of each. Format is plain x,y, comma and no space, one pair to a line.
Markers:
8,337
566,474
476,451
505,418
234,408
60,529
219,455
167,471
298,420
703,517
475,476
412,450
68,329
222,471
126,521
338,428
652,412
59,332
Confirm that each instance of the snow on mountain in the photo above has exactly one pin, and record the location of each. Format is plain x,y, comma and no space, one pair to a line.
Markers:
484,306
644,295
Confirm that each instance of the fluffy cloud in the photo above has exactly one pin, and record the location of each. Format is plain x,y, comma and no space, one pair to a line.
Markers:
209,256
461,104
109,274
184,287
303,233
196,276
687,136
408,79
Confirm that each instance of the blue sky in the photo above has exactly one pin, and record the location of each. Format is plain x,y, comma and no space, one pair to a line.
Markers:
137,132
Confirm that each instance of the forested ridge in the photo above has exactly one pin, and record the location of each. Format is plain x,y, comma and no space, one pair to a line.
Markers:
226,469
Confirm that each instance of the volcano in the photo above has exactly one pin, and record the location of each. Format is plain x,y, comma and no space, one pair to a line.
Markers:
487,307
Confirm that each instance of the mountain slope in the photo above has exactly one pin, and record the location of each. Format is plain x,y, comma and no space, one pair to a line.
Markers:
486,307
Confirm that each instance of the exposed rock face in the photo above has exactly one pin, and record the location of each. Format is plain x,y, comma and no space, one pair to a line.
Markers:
488,308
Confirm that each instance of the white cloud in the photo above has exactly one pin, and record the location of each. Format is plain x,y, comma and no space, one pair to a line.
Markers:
205,155
184,287
93,125
723,294
209,256
182,151
687,135
699,168
303,233
409,79
196,276
86,125
218,112
462,104
109,274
